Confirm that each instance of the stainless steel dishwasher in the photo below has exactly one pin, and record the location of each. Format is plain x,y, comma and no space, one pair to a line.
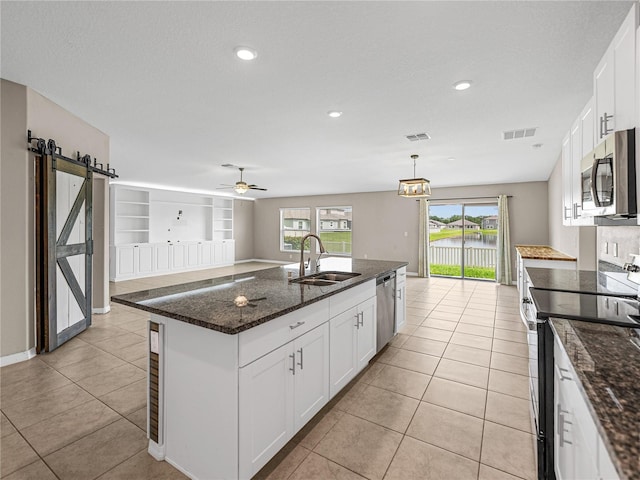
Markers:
386,309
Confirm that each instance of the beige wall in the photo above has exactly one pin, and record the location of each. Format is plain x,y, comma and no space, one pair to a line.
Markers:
23,109
579,242
16,227
243,232
380,220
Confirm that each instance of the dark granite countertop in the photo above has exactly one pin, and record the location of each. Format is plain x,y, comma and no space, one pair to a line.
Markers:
211,303
607,362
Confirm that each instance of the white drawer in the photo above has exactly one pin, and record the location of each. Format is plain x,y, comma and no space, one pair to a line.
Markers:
401,276
343,301
260,340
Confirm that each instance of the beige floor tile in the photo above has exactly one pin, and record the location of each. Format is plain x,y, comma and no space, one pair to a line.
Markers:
15,454
462,372
111,380
465,354
139,418
315,467
143,466
387,354
482,306
361,446
65,428
402,381
490,473
398,340
509,450
370,372
508,411
284,463
408,329
21,371
37,470
415,319
507,325
432,334
37,409
68,354
6,428
474,341
127,399
101,362
415,361
385,408
31,386
445,428
314,431
135,323
509,384
142,363
510,335
107,448
95,334
510,363
349,396
417,460
511,348
457,307
472,312
471,329
456,396
440,324
472,319
425,345
447,316
113,344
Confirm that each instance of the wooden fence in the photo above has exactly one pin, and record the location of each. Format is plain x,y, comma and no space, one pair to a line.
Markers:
473,256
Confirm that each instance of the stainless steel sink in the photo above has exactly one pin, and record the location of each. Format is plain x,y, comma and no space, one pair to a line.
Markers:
325,278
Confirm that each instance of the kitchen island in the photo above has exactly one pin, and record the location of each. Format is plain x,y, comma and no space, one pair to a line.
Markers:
238,364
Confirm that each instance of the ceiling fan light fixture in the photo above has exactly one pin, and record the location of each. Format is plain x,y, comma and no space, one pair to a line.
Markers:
241,187
414,187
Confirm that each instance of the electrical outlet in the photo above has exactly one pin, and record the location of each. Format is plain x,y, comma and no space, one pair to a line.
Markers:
365,256
406,234
615,249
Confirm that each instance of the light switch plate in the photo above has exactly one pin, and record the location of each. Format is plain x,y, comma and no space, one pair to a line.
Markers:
154,340
605,247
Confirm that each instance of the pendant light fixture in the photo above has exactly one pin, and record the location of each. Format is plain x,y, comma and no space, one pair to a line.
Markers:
414,187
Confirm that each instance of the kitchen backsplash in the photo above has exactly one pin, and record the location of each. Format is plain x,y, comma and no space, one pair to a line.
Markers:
615,244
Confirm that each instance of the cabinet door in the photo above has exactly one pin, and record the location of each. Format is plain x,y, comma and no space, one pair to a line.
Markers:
567,181
206,253
163,257
563,453
218,258
366,332
624,57
125,260
311,378
342,359
228,252
603,94
178,256
401,306
265,406
192,254
145,258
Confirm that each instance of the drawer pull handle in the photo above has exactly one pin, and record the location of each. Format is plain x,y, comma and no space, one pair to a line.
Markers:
301,360
293,358
562,372
299,324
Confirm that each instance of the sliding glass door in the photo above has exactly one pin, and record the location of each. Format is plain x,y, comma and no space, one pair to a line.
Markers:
462,240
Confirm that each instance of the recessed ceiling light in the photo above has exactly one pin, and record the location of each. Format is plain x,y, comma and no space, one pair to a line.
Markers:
451,159
246,53
334,113
462,85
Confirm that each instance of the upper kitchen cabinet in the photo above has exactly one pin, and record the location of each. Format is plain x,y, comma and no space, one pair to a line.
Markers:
615,81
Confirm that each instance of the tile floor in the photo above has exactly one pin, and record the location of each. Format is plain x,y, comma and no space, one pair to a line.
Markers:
448,399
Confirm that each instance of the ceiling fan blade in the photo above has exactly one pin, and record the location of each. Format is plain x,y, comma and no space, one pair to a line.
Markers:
226,186
257,299
257,188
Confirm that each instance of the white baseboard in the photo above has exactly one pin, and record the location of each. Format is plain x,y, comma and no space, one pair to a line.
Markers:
17,357
101,311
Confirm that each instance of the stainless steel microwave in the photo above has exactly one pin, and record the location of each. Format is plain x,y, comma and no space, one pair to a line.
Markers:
609,177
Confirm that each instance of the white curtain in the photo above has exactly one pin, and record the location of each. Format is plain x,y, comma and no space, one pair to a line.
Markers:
423,242
504,243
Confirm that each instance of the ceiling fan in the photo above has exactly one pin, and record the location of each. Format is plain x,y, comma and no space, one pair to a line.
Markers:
241,186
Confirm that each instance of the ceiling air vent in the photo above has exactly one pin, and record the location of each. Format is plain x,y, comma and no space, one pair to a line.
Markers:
520,133
418,136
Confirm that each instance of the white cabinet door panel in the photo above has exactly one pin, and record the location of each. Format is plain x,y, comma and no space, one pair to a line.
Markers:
145,258
125,260
342,364
192,254
163,257
178,257
367,333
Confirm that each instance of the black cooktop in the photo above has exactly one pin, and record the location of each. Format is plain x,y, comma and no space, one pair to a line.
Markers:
610,310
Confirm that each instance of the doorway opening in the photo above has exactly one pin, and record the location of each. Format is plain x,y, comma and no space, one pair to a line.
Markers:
462,240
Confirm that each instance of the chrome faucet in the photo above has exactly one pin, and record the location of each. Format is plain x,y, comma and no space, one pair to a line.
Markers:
322,250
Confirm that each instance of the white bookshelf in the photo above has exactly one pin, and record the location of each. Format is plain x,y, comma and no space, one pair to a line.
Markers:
130,216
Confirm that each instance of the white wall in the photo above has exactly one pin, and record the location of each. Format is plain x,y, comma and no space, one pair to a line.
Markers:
243,229
380,220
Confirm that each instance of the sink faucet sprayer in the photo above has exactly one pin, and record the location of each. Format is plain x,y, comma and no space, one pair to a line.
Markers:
322,250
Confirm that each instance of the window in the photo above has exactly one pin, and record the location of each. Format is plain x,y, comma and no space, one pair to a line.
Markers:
334,229
295,223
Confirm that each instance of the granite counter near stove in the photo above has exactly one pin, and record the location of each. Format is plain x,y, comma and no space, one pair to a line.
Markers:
607,362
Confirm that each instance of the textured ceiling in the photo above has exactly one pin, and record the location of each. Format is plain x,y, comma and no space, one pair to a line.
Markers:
161,79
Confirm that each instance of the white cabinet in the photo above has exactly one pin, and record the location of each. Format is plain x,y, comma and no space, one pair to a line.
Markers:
129,261
401,301
353,342
228,252
193,254
163,257
144,261
576,144
206,253
279,393
178,254
578,448
615,81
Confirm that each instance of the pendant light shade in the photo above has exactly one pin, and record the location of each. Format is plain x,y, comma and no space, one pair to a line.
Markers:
414,187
